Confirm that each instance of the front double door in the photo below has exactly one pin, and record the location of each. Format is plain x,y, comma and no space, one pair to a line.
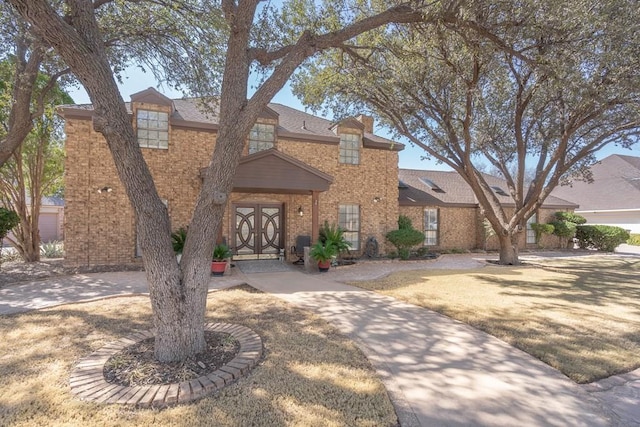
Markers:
258,231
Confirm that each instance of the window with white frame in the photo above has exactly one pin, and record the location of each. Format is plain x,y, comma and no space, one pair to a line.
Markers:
431,227
153,129
349,221
261,137
350,148
531,234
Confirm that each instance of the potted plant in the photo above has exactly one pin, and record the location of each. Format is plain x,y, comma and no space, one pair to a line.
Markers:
323,254
178,239
219,260
334,235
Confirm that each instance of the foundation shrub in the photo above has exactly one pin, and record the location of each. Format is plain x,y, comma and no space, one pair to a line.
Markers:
601,237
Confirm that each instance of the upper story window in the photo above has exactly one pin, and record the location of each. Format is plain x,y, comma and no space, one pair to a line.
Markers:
262,137
350,148
153,129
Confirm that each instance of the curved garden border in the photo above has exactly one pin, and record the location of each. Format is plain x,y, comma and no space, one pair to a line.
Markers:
87,379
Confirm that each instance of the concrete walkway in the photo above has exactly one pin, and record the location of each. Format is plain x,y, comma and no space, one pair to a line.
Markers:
439,372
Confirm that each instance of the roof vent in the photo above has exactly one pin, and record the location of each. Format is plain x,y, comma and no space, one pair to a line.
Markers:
499,190
432,185
304,125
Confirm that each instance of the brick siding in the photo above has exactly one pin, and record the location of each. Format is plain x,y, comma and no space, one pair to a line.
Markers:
99,227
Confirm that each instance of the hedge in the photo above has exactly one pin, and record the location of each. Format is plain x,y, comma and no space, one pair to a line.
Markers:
601,237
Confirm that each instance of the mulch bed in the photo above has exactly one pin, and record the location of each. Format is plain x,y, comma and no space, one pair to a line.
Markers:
136,365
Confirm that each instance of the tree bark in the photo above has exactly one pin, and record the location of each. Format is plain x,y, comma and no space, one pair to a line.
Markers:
178,291
508,248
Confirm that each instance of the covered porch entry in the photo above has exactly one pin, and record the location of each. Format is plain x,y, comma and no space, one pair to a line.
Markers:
275,198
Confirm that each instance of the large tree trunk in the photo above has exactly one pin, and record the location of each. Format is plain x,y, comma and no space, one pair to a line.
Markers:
508,248
178,292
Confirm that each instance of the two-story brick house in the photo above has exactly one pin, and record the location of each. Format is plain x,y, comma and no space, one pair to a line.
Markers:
297,171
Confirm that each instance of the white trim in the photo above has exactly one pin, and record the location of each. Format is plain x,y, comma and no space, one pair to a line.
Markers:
609,210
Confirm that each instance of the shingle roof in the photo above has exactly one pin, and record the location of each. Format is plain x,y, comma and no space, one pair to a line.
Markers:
616,185
453,190
292,123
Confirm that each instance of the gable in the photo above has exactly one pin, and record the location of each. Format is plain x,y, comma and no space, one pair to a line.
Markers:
152,96
275,172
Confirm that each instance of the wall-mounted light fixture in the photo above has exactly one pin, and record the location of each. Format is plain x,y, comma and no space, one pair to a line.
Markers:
105,190
377,199
300,211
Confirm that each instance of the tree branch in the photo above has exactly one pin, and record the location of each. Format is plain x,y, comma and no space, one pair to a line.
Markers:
315,43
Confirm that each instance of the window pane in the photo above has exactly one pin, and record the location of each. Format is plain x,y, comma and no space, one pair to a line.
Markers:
349,149
153,129
261,137
430,227
349,221
531,235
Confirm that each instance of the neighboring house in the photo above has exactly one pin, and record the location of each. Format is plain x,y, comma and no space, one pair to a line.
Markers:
443,206
613,198
298,171
51,220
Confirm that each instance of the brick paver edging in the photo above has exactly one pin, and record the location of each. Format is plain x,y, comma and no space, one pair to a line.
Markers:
88,383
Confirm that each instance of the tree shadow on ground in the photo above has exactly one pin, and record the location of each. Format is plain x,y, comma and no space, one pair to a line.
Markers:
309,372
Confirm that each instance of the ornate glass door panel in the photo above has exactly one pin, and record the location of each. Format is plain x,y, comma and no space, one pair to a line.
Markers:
258,231
270,230
245,230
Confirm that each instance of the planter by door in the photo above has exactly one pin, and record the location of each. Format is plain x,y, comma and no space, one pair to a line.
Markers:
218,267
323,266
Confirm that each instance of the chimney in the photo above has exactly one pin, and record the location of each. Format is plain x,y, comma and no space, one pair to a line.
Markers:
367,121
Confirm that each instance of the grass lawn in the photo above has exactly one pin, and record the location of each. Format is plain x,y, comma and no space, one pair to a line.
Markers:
311,375
579,315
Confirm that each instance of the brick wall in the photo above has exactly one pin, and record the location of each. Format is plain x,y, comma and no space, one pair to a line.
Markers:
99,227
457,228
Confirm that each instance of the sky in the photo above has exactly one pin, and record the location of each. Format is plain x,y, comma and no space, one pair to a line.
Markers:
135,80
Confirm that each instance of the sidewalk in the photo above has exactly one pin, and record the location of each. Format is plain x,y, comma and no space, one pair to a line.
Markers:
441,372
38,294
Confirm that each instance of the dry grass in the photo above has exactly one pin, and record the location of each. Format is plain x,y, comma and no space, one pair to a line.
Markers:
580,315
311,374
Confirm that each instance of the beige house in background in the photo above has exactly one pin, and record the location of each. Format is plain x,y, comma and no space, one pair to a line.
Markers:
443,206
298,171
613,198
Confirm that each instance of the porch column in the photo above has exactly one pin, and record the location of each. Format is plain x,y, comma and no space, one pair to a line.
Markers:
315,226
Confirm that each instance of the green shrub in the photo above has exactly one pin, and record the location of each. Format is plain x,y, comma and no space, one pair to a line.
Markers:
178,239
9,254
405,239
601,237
564,229
570,217
221,252
322,252
540,229
333,235
8,220
52,249
404,223
634,239
404,253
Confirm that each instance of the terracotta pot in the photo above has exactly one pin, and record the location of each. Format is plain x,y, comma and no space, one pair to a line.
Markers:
218,267
323,266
